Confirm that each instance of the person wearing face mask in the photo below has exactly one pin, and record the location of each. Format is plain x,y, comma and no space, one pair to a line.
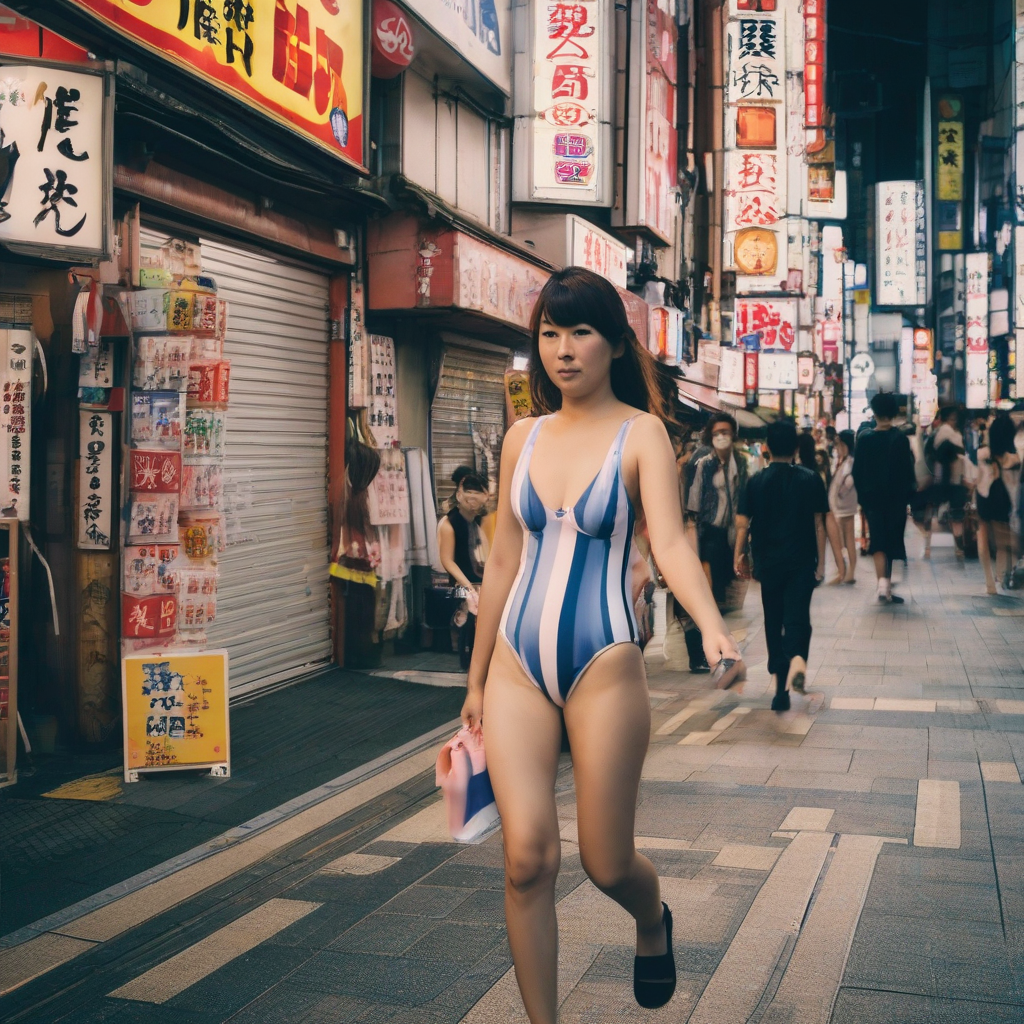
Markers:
463,551
720,478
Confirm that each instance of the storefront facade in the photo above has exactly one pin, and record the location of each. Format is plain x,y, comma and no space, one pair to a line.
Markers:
195,403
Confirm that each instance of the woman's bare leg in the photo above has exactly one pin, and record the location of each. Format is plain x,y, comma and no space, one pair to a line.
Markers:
985,554
850,543
523,735
836,540
608,718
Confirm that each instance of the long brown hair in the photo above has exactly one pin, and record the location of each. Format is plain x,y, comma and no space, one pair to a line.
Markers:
579,296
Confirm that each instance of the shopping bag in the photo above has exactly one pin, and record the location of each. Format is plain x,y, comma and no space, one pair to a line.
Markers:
461,773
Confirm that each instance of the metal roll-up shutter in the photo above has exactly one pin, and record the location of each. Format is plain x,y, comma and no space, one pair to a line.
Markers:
467,416
272,598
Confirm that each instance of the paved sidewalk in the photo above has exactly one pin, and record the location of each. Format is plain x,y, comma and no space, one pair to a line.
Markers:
859,859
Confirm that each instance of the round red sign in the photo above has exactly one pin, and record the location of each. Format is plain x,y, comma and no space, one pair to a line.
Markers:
393,48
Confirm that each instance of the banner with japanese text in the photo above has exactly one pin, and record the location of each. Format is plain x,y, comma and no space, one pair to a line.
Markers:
175,710
16,422
299,61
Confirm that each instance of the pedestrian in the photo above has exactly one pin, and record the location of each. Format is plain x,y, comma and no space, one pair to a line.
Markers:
999,481
842,509
944,452
462,547
783,511
883,473
719,480
555,635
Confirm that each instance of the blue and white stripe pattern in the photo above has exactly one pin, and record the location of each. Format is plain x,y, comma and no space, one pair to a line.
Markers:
571,599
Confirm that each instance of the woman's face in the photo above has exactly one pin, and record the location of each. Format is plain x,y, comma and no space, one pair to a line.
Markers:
841,449
471,502
577,359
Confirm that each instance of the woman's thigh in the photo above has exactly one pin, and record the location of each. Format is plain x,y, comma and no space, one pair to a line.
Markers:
523,736
608,718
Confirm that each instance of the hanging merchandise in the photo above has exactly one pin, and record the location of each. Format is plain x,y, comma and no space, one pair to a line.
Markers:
383,407
389,492
175,526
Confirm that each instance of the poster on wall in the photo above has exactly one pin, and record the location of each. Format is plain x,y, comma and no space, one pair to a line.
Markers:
54,192
16,345
94,512
175,712
383,414
299,62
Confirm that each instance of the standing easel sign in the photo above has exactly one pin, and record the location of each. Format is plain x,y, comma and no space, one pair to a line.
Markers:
175,712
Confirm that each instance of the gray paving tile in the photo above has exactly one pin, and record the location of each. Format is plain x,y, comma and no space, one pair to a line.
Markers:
379,979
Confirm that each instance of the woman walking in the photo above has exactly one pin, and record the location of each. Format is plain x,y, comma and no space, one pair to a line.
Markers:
462,547
556,631
842,508
999,479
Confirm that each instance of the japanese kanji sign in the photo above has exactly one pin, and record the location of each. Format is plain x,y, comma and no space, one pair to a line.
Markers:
949,158
175,710
15,422
94,515
773,320
896,248
590,247
55,166
298,61
756,61
570,86
751,190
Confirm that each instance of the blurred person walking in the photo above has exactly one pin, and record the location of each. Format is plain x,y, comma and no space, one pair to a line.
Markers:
842,509
998,494
944,452
719,479
783,511
883,473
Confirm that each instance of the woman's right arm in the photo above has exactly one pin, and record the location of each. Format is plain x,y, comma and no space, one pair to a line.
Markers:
499,575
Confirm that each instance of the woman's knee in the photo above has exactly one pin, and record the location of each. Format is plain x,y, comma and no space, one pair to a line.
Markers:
606,871
532,865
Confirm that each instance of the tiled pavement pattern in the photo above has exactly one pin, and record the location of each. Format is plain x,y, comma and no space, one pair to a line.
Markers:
859,859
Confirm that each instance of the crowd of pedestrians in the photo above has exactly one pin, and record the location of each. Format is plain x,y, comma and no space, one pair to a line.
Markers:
767,510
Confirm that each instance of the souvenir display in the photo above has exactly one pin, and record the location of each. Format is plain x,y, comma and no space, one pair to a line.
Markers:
201,485
208,382
148,568
197,598
155,472
161,363
153,517
148,309
179,311
176,525
204,433
157,418
148,617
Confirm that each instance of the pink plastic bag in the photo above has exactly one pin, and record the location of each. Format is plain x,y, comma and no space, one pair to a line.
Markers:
469,800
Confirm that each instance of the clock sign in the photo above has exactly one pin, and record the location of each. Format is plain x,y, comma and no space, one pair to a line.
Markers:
862,365
756,251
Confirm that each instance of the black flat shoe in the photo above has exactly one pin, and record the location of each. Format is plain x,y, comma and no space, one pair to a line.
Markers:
654,977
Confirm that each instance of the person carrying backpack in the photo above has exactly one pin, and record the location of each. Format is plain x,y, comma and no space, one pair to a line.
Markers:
999,482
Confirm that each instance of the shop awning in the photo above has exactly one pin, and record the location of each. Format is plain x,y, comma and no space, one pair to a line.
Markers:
700,396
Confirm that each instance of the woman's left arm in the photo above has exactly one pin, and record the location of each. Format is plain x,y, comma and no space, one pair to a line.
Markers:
673,554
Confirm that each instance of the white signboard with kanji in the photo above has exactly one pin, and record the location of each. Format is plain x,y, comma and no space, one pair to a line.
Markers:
94,512
16,347
55,154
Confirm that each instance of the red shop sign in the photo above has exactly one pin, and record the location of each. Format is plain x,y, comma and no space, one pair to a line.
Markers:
750,371
392,42
148,616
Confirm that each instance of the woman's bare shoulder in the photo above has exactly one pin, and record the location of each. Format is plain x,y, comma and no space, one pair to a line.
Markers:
648,426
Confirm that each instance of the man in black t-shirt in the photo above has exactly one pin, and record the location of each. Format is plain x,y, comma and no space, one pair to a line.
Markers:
883,473
783,510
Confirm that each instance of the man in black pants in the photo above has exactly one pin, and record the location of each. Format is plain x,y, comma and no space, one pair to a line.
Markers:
783,510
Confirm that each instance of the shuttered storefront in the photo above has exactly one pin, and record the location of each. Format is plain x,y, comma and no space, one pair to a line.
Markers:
272,600
467,416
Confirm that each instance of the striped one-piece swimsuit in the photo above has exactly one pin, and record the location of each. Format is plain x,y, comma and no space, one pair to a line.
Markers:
571,599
